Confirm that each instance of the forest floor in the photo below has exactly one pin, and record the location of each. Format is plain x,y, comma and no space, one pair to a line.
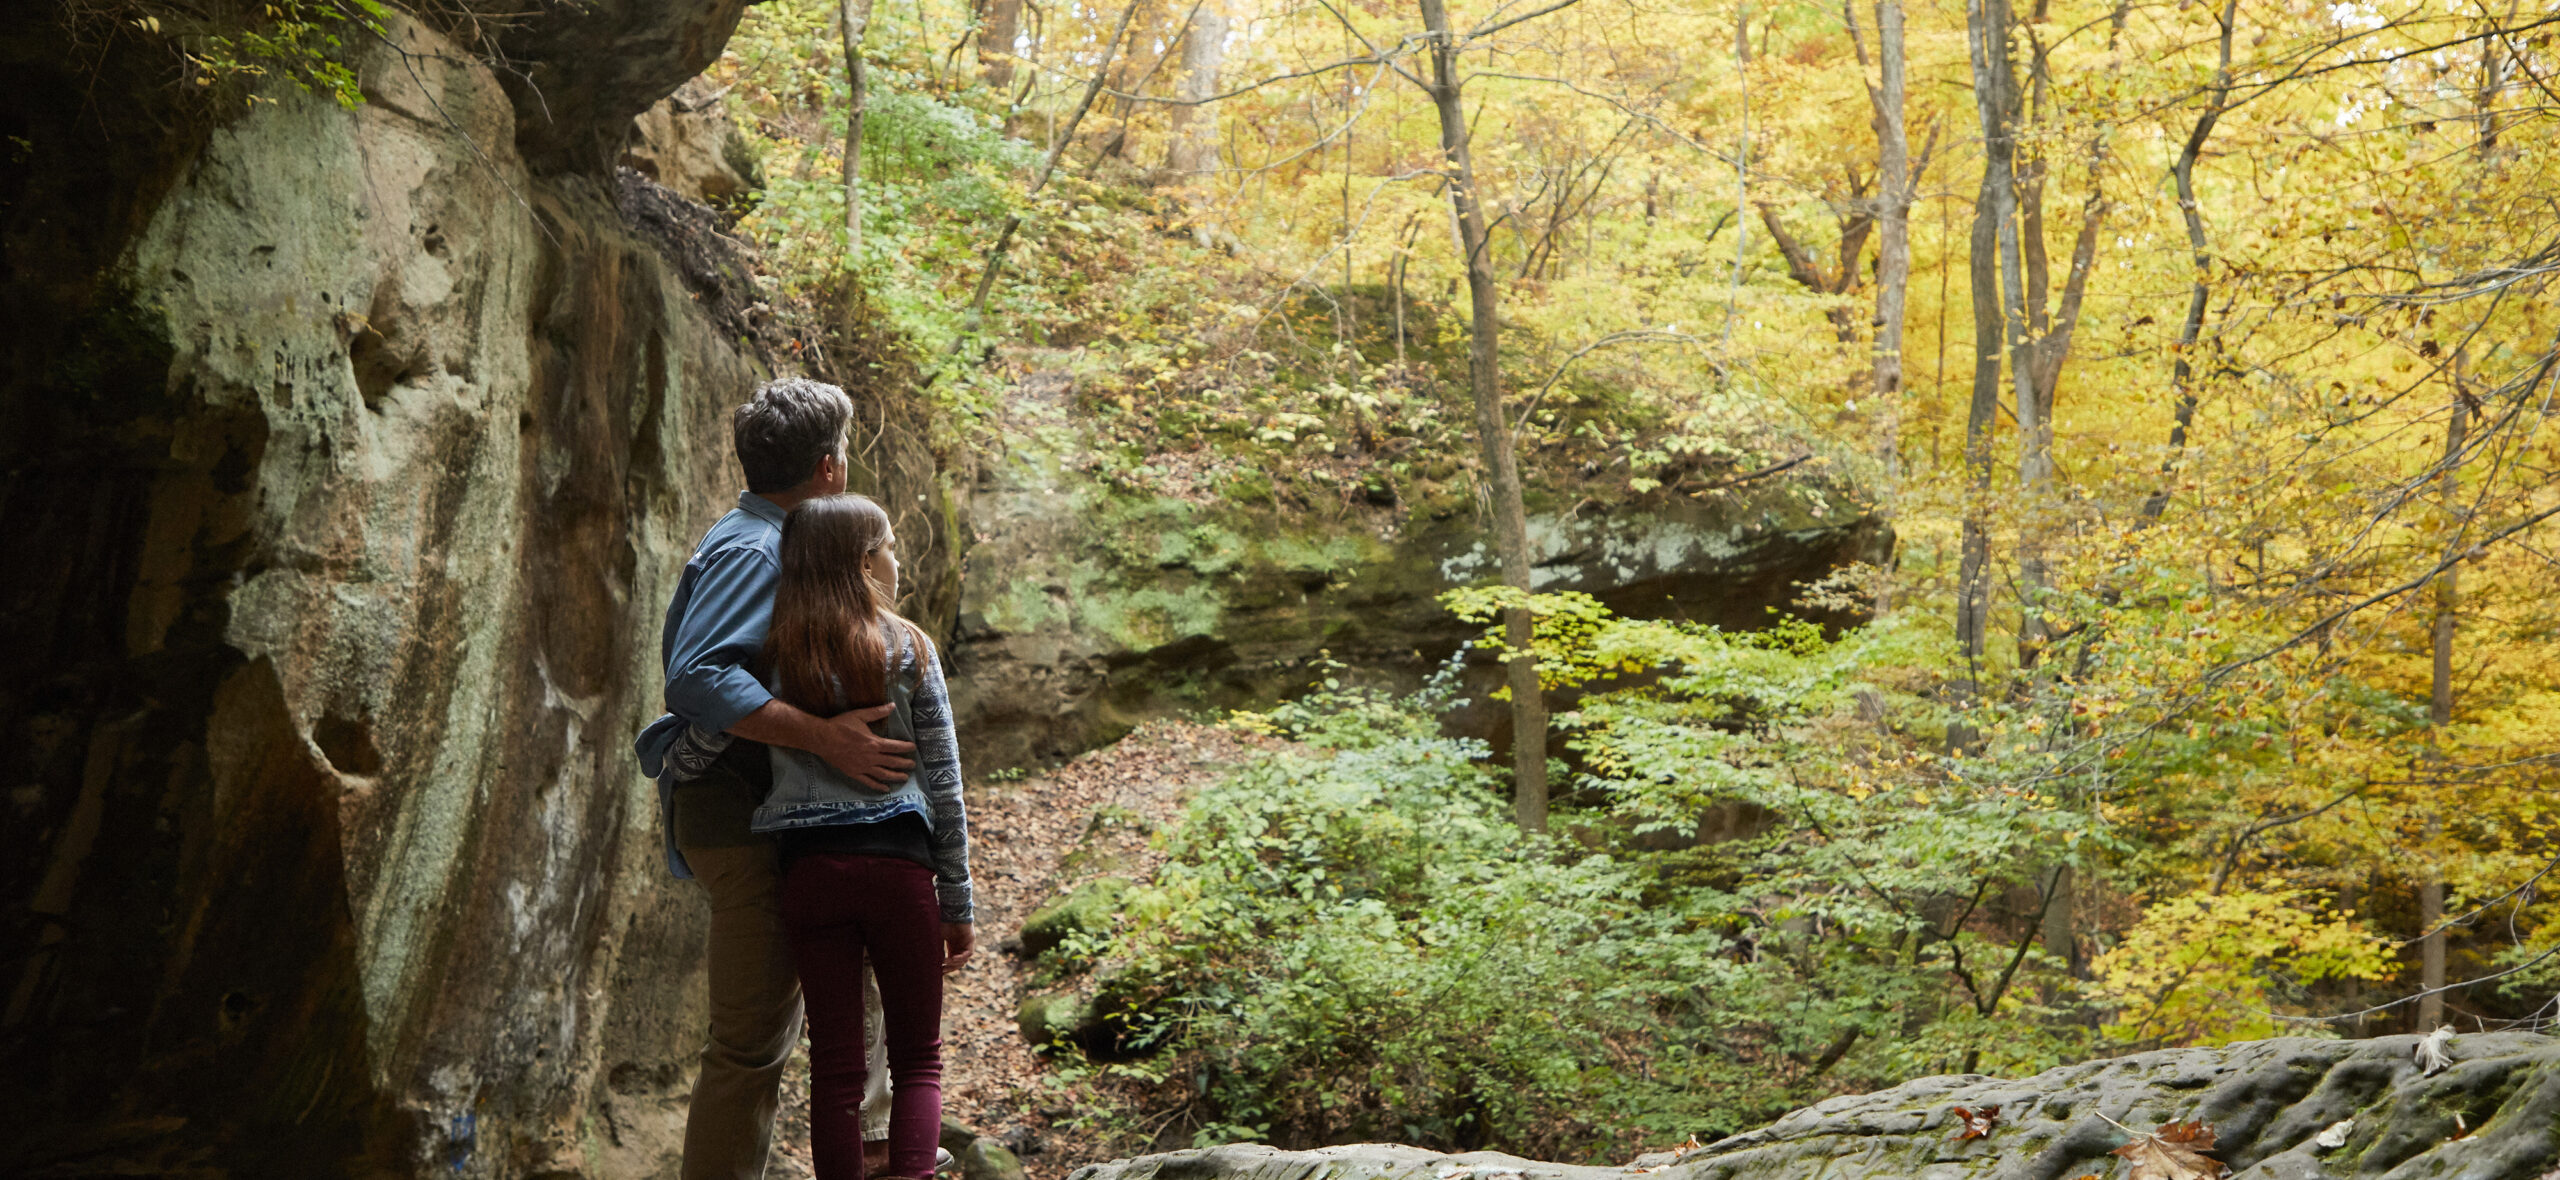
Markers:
1031,839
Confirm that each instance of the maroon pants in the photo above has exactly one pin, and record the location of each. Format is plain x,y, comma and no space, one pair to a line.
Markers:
837,910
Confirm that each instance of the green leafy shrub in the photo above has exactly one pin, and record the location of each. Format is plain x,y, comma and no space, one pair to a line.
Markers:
1750,907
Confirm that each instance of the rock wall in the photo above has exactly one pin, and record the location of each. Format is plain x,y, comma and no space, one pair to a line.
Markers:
1086,611
350,458
2493,1115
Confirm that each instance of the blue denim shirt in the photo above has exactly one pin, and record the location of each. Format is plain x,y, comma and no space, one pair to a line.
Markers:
715,630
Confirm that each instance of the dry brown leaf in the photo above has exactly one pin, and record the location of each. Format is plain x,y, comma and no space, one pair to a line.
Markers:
1977,1123
2175,1151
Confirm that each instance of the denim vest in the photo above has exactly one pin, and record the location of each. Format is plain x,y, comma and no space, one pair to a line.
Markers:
808,793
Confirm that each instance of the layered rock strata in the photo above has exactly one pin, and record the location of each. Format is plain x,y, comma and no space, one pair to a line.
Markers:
351,457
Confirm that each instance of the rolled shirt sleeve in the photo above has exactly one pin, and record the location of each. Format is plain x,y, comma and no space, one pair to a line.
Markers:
712,648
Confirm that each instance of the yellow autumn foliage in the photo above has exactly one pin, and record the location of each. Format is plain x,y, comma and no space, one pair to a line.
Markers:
2208,968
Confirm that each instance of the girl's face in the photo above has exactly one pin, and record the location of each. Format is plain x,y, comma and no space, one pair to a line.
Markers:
880,567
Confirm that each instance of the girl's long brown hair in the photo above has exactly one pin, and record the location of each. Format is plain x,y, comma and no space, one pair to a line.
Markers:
825,645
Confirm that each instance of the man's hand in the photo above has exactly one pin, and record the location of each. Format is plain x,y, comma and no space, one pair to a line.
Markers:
863,756
845,741
957,940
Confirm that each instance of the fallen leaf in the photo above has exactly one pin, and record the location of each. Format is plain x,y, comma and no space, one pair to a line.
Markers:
2431,1054
1977,1123
2335,1136
2173,1152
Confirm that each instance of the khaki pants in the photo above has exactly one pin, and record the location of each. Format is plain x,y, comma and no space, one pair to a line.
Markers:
755,1019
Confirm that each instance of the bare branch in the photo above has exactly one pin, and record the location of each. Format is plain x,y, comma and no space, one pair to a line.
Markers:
1614,338
1493,26
1406,48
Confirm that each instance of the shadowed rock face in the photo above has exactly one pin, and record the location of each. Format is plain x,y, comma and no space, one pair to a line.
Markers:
2266,1099
579,72
350,459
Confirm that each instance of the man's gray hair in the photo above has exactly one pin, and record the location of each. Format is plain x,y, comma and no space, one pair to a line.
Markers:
791,424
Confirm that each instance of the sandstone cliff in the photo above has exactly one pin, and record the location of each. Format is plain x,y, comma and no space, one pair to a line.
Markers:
350,457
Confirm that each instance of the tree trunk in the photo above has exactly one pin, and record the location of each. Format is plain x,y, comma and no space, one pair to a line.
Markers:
2041,360
1191,155
1986,27
2191,329
856,18
1493,429
1193,152
1894,197
995,43
1895,192
2448,602
2035,433
2061,932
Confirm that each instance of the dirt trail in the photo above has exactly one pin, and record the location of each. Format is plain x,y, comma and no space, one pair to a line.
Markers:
1029,840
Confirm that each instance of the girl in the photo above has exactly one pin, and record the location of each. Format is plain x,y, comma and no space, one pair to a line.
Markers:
866,873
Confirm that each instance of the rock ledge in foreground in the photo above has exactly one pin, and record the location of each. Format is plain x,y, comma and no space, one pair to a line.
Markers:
2266,1099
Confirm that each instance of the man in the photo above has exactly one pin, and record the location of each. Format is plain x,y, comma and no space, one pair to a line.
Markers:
790,440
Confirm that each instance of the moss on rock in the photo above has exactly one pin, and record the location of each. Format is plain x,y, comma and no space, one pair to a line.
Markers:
1087,909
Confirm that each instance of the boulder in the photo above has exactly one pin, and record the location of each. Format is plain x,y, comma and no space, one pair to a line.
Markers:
1047,1018
2493,1115
1089,908
988,1159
